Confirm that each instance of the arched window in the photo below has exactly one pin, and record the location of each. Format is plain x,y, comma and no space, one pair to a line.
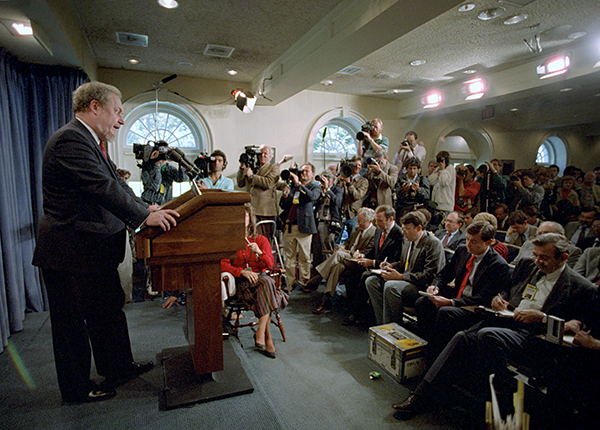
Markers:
333,137
552,151
173,120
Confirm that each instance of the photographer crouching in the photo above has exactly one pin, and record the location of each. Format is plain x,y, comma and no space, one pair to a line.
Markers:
157,174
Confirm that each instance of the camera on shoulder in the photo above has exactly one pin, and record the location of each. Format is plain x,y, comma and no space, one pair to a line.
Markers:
251,157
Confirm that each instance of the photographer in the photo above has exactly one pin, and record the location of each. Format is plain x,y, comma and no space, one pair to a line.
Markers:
382,177
443,180
467,189
412,189
354,187
371,140
261,186
529,193
328,217
158,176
493,185
297,203
409,148
215,178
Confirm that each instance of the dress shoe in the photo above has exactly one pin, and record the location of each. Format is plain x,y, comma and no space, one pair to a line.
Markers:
258,345
303,287
325,306
313,283
270,354
410,407
96,394
136,369
349,320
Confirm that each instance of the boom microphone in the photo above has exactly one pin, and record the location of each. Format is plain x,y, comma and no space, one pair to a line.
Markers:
165,80
324,133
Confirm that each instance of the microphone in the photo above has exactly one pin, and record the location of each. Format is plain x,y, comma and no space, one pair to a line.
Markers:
324,133
165,80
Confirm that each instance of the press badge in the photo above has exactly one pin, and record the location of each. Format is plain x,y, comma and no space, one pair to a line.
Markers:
529,292
296,199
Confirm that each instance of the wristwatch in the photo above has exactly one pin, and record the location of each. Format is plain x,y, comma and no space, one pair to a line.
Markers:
544,318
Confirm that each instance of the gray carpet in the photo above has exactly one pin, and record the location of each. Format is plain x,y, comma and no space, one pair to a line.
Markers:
320,380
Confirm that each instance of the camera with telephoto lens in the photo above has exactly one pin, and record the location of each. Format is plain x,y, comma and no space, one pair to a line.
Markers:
286,174
144,151
516,177
203,164
366,128
371,160
462,172
346,165
251,157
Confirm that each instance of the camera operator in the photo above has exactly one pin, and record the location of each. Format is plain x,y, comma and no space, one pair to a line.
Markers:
493,185
530,193
467,188
443,180
409,148
371,139
215,178
261,187
382,177
354,187
412,189
329,206
158,176
298,202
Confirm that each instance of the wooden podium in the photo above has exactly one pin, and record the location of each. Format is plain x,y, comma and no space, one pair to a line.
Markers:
211,227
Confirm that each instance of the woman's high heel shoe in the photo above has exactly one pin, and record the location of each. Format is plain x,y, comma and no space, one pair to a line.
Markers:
270,354
258,345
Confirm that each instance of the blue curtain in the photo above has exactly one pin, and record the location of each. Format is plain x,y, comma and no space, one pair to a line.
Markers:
35,101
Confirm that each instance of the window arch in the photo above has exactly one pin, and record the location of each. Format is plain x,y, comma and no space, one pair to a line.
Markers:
339,139
552,151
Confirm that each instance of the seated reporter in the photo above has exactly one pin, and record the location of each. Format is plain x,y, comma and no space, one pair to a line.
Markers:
253,286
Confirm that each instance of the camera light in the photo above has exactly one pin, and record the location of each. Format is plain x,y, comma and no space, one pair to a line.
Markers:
22,29
474,88
432,100
554,67
244,101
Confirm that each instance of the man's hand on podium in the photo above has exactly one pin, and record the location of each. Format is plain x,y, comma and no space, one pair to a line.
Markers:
164,218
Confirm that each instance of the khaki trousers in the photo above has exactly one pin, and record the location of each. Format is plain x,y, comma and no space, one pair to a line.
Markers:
296,245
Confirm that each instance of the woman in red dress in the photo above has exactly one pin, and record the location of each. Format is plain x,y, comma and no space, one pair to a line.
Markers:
255,287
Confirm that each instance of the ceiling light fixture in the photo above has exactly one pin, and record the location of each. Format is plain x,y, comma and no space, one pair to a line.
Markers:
168,4
470,72
554,66
184,64
232,72
399,91
576,35
417,62
515,19
244,101
326,83
134,60
466,7
431,100
474,88
22,29
565,90
514,110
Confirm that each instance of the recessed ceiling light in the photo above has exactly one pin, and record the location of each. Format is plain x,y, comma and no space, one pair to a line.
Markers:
232,72
168,4
466,7
492,13
326,83
22,29
514,110
417,62
184,64
515,19
470,71
134,60
564,90
576,35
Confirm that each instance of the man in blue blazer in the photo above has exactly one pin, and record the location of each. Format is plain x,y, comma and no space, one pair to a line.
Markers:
81,241
298,202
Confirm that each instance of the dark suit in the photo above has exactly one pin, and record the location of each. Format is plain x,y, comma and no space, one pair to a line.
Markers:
80,242
439,325
588,265
355,286
490,342
389,298
455,241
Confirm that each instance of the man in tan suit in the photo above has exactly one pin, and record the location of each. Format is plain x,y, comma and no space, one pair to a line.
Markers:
261,186
354,187
358,244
